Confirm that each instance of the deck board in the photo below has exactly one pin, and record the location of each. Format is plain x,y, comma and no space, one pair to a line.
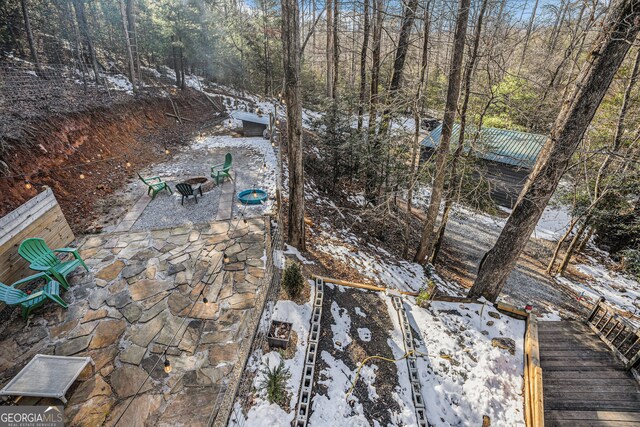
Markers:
583,382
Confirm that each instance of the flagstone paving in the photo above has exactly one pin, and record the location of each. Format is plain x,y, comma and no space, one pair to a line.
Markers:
142,291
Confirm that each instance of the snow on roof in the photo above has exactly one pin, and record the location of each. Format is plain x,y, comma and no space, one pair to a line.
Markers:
499,145
245,116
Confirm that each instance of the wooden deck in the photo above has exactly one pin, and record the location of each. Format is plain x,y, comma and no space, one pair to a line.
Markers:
584,384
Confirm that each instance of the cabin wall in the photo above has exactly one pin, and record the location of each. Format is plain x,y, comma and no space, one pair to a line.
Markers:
505,181
252,129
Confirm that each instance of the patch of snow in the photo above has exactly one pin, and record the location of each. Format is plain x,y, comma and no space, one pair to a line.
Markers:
357,199
553,223
616,288
294,251
120,82
341,327
552,315
364,334
404,275
463,375
368,376
262,412
332,408
359,312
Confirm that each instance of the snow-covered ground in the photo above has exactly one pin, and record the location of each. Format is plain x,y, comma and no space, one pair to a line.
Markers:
463,375
263,413
618,290
552,225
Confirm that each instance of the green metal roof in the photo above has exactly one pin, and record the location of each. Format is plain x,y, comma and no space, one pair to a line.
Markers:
499,145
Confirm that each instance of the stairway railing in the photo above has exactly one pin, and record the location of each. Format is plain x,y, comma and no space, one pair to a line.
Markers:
618,333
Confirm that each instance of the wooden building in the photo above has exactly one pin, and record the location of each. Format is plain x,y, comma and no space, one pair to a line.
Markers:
507,157
252,124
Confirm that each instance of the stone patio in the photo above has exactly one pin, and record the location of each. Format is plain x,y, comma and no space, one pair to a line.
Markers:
138,294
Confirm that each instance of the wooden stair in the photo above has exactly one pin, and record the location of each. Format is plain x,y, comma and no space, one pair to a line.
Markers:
584,384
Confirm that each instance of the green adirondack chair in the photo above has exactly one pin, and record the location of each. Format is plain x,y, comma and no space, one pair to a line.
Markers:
222,170
28,302
155,187
42,258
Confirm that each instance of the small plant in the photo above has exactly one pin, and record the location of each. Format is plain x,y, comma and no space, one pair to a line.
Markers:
425,294
292,280
275,382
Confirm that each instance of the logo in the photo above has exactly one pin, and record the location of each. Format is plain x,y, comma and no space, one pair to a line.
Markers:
31,416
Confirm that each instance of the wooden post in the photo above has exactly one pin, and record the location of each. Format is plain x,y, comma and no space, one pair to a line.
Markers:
594,310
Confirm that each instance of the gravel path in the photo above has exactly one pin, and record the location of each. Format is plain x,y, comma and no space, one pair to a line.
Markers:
468,238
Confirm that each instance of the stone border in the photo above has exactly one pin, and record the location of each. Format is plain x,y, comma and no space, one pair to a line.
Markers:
306,387
412,366
271,286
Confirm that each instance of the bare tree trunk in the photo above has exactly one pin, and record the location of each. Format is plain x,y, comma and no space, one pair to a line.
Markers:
375,63
456,179
363,65
313,35
373,142
427,240
564,6
602,171
125,27
528,36
32,43
133,35
293,99
330,64
175,54
417,110
618,33
336,47
586,239
182,84
556,251
400,58
84,29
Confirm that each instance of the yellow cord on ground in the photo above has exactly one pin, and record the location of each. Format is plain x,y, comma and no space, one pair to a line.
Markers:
386,359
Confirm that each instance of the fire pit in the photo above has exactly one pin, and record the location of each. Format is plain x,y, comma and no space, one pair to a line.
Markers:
279,334
199,182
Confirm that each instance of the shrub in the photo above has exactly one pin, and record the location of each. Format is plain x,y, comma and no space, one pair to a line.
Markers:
292,280
631,261
425,294
275,382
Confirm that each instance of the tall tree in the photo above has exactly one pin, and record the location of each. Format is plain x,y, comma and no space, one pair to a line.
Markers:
617,34
336,48
32,44
418,106
363,64
293,99
127,38
330,57
373,146
456,178
408,17
598,189
528,35
427,240
132,33
86,36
